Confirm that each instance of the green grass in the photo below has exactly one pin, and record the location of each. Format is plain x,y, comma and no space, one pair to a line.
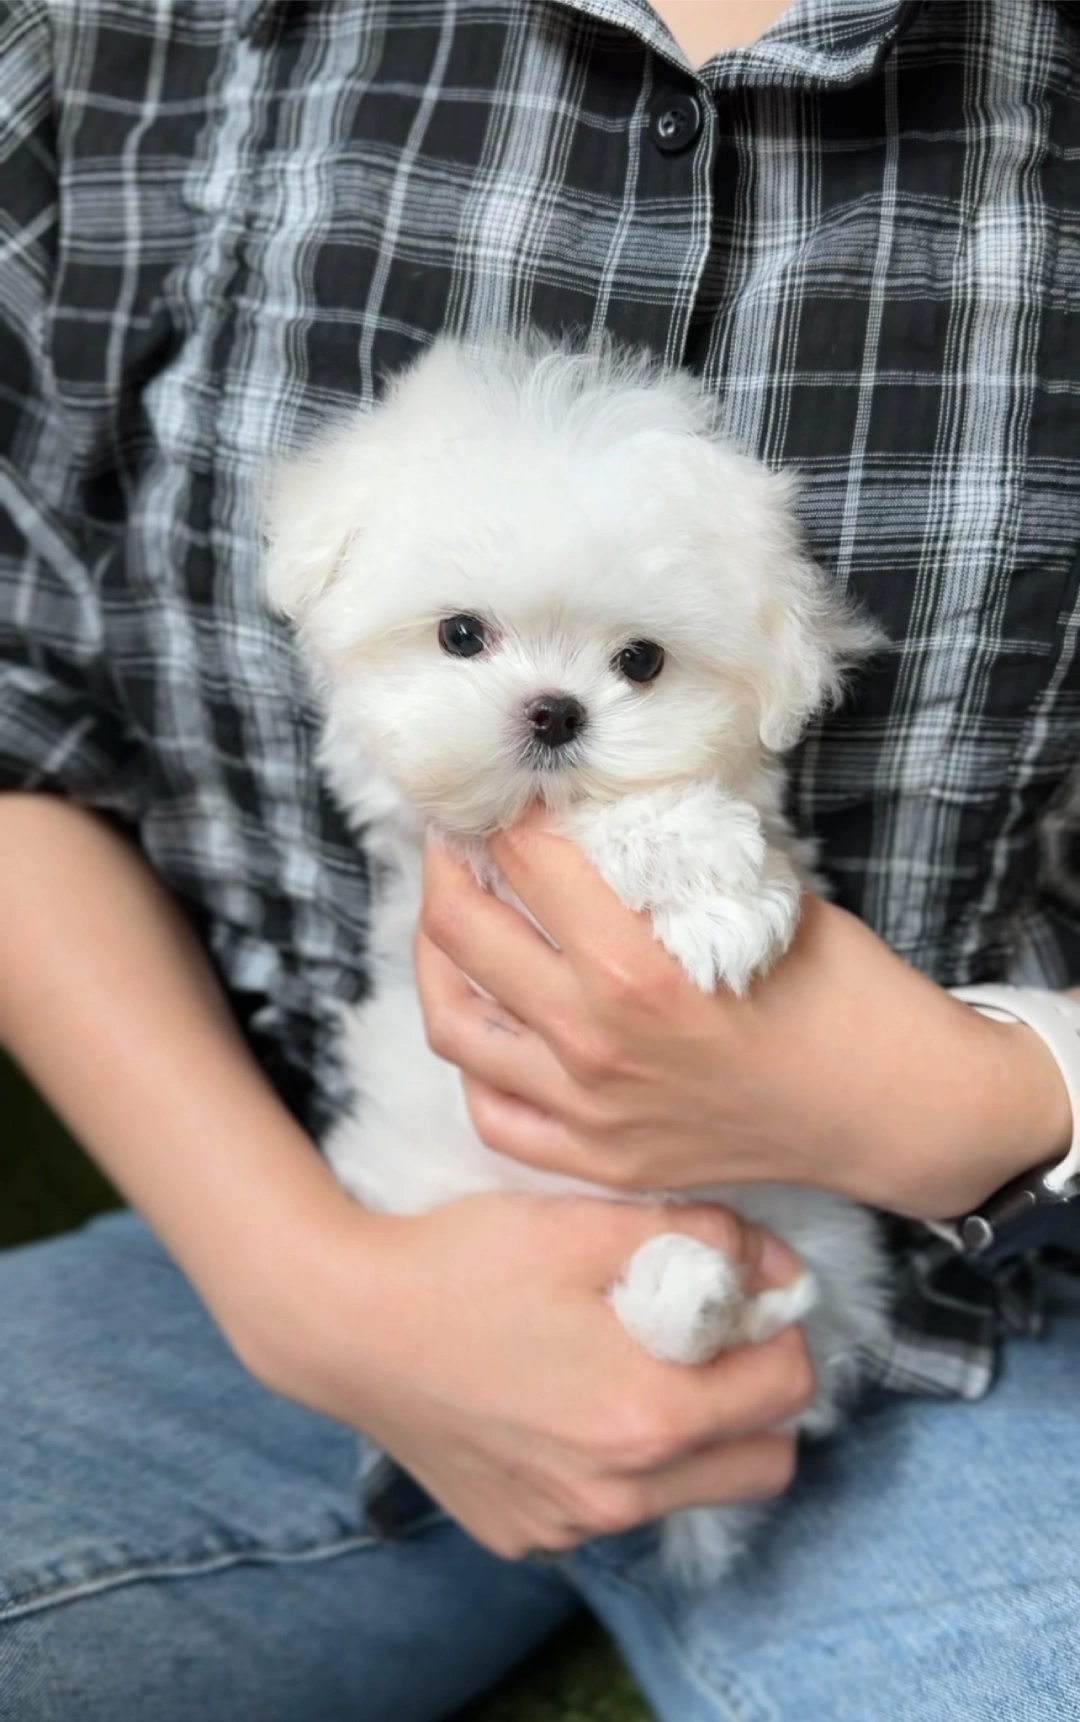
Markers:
48,1185
577,1677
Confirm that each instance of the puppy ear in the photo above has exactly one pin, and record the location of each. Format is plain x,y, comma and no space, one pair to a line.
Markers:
313,508
813,639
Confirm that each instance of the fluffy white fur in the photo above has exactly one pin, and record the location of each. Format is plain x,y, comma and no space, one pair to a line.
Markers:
574,504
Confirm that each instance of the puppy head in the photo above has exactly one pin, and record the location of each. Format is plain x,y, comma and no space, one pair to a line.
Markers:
537,573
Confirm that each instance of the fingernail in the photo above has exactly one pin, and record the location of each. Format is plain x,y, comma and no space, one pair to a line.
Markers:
778,1264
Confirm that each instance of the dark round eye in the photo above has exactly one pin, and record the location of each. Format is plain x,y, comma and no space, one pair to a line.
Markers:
640,661
463,636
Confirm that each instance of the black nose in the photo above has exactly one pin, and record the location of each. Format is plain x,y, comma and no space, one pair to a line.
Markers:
556,719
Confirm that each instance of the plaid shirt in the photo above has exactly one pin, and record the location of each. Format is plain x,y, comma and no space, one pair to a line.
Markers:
224,219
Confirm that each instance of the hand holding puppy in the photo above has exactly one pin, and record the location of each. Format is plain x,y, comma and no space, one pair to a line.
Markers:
537,574
843,1069
477,1345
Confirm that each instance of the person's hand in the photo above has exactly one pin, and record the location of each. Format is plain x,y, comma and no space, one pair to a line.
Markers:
476,1344
844,1068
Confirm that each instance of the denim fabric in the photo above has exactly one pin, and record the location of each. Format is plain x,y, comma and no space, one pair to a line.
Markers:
175,1542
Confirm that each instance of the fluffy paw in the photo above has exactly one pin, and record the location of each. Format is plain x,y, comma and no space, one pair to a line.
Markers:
771,1311
679,1298
684,1302
700,1545
726,941
723,900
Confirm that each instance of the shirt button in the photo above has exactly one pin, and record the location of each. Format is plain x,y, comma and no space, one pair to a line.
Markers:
674,122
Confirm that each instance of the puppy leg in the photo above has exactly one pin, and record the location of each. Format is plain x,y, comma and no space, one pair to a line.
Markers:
723,900
684,1301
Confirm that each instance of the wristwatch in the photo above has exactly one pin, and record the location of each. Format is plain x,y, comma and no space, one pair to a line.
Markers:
1041,1208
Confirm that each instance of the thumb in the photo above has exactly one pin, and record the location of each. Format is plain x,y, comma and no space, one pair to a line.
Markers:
763,1260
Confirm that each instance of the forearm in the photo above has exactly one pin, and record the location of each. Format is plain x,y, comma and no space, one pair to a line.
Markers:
110,1005
407,1328
843,1069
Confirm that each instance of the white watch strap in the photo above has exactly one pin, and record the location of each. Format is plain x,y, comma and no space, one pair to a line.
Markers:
1056,1020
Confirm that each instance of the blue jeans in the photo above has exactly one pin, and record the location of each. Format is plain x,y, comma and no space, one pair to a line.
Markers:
175,1542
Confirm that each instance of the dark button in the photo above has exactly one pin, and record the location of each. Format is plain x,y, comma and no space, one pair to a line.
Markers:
674,122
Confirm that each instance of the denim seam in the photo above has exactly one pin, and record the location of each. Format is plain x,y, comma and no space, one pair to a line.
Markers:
35,1602
702,1677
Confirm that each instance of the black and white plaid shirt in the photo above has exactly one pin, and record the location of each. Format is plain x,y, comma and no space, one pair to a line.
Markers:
224,219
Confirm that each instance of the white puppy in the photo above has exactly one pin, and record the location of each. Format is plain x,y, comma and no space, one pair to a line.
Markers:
535,574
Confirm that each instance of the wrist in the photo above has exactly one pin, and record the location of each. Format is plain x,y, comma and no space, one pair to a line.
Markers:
319,1268
1020,1114
1042,1119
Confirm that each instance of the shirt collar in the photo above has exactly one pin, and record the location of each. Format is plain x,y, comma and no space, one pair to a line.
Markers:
818,44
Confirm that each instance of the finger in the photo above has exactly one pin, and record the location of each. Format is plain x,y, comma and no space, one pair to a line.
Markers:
764,1261
567,896
739,1393
485,1041
755,1468
492,943
662,1413
523,1130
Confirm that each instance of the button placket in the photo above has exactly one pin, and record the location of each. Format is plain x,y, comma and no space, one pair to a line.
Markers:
675,121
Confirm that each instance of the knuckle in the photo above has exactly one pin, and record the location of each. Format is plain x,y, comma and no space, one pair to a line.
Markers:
598,1157
617,1171
614,1508
597,1439
806,1382
780,1461
645,980
797,1368
602,1117
507,1538
560,1542
590,1111
508,1548
438,918
638,1160
620,984
653,1443
638,1438
440,1026
588,1057
485,1117
542,1530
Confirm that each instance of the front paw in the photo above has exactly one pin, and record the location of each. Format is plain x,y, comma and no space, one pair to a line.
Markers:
724,941
684,1301
723,900
680,1299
